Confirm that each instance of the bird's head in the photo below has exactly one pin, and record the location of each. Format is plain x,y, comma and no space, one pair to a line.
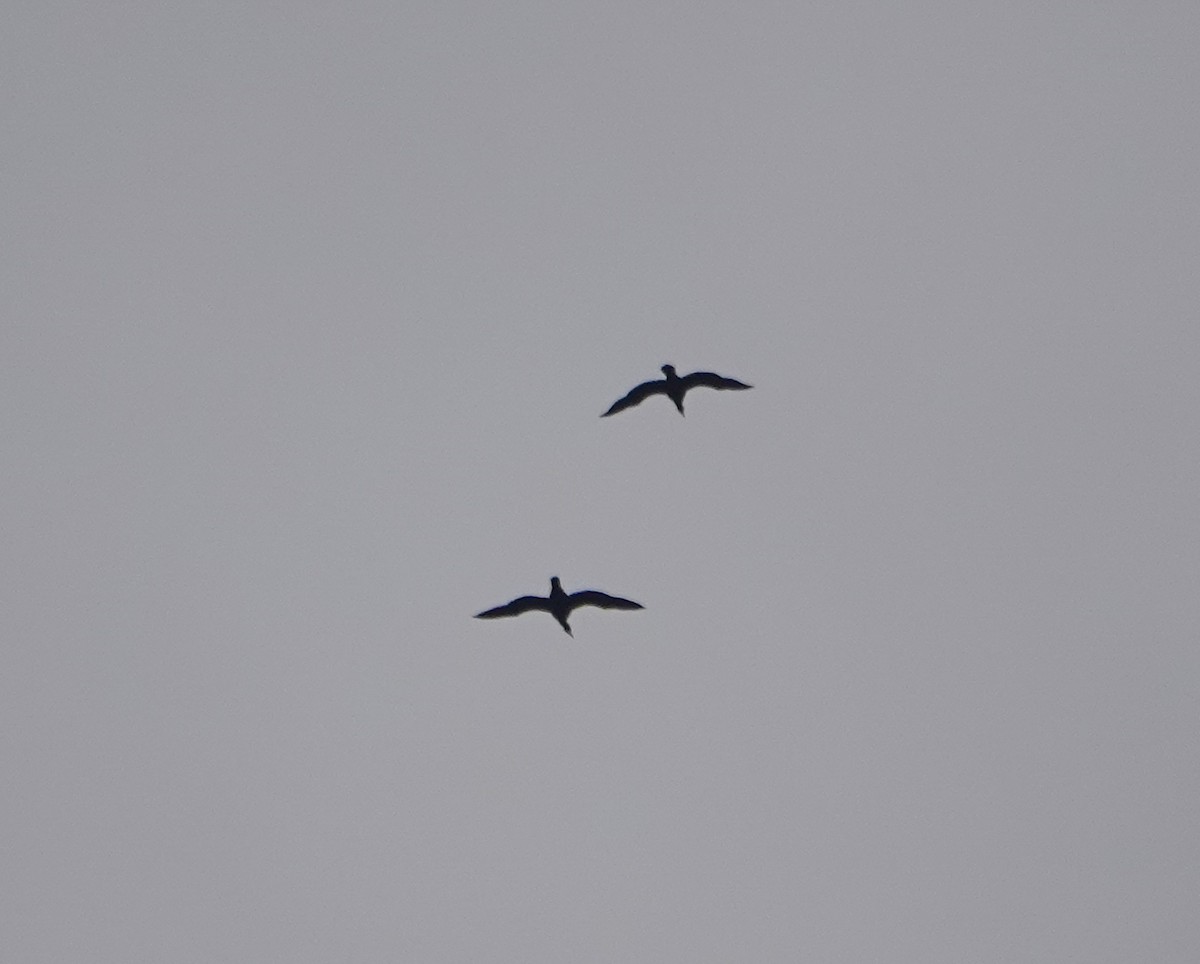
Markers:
555,584
668,370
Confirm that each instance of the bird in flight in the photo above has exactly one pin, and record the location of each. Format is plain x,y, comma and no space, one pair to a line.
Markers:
559,604
674,387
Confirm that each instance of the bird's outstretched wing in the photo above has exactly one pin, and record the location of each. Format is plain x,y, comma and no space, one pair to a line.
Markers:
523,604
593,597
635,395
712,380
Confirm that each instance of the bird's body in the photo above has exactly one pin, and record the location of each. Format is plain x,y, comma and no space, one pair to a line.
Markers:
674,387
559,604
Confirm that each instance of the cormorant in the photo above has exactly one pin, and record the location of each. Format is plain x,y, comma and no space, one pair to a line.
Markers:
673,387
559,604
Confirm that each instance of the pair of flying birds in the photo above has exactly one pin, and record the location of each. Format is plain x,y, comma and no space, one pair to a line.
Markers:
560,604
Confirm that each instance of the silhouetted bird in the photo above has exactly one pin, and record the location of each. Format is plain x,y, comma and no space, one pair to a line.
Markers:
559,604
673,387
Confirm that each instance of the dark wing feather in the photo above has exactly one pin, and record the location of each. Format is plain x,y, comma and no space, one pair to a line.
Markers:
712,380
593,597
636,395
521,605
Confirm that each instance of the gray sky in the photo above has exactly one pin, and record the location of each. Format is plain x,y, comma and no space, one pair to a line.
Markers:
309,313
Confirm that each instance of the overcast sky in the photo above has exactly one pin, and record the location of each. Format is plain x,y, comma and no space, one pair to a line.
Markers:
309,313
